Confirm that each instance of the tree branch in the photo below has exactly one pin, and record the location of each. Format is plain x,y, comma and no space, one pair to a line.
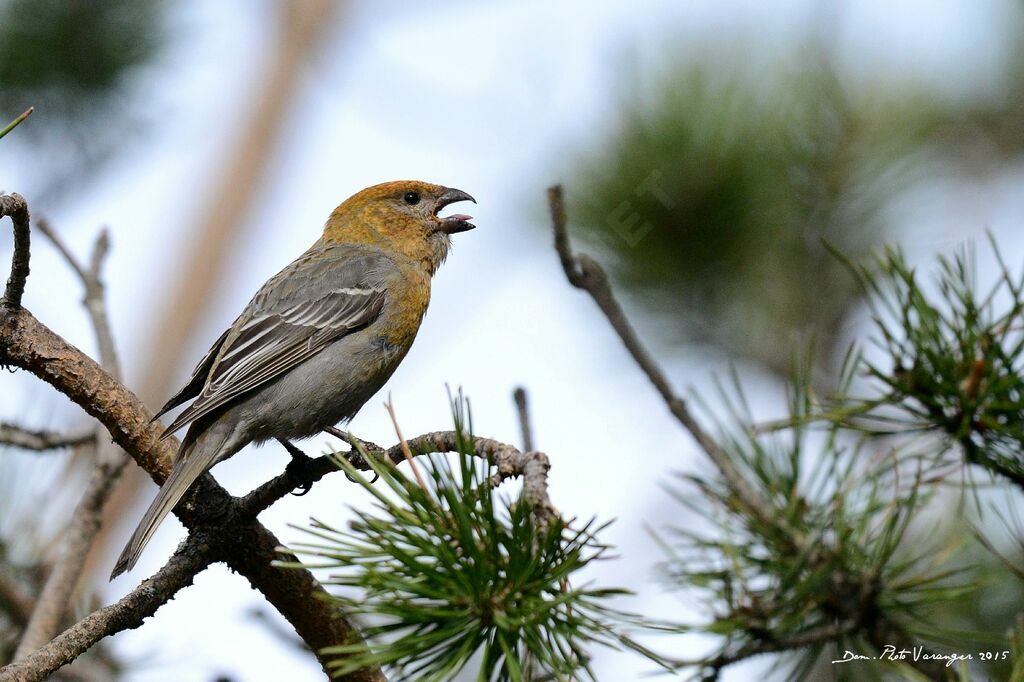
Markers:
40,441
94,299
58,590
246,546
126,614
87,518
585,273
508,461
221,527
14,206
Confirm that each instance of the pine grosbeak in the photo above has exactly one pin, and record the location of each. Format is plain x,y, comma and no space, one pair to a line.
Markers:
318,339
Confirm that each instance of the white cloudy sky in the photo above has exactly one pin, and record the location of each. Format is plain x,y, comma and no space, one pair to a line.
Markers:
484,97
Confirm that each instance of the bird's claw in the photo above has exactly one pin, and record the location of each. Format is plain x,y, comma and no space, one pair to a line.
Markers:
296,469
372,480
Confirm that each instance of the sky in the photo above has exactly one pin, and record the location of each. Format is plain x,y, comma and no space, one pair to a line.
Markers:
492,98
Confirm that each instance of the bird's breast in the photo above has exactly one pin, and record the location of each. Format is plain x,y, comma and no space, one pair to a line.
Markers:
403,312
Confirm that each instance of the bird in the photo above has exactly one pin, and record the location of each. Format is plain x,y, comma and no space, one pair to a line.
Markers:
318,339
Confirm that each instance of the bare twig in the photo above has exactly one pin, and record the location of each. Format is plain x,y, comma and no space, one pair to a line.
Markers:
86,520
14,206
56,594
535,467
126,614
585,273
523,408
40,441
44,227
94,298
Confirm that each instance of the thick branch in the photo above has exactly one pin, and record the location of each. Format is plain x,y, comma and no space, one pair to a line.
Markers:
26,343
127,613
585,273
14,206
40,441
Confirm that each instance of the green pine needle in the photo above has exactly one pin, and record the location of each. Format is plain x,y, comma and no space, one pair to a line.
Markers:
457,575
833,558
16,122
953,360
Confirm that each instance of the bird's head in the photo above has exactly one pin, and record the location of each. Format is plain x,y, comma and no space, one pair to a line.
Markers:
402,216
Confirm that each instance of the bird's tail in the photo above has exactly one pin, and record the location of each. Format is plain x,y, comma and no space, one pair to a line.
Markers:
189,466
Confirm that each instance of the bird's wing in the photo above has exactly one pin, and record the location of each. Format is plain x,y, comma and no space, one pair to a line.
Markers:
197,380
324,295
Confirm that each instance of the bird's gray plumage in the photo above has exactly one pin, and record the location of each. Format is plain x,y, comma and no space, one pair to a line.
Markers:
293,317
309,328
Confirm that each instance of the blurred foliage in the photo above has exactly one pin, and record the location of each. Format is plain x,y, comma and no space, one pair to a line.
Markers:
993,609
74,61
717,185
715,203
1017,651
70,51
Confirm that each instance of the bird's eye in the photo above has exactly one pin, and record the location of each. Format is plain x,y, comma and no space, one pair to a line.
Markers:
412,198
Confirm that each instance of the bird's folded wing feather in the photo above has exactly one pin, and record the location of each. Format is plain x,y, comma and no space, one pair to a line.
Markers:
196,381
319,298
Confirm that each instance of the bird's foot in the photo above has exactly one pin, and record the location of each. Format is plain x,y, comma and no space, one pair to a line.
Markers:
297,468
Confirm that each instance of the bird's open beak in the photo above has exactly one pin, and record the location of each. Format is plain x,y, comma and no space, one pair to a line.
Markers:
457,222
